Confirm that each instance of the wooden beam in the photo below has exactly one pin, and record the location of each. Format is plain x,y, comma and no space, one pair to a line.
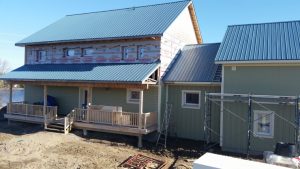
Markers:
85,84
195,24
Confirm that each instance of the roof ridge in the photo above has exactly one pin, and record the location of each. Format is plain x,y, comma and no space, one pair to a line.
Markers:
263,23
128,8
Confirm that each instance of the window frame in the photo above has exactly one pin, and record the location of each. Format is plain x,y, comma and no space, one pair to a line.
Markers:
125,56
255,123
39,57
83,51
66,51
139,52
131,100
190,105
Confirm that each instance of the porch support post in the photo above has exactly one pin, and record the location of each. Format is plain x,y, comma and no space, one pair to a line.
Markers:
141,106
10,97
10,101
45,106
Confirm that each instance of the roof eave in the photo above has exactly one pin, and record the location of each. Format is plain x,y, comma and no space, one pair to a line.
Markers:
88,40
259,62
195,23
193,83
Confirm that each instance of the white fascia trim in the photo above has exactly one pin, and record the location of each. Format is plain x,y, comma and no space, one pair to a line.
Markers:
149,74
259,62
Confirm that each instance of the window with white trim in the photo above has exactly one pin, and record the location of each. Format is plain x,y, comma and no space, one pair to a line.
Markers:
40,55
133,96
191,99
263,123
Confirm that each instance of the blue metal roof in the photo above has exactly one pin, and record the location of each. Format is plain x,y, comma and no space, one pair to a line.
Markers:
278,41
123,73
151,20
195,63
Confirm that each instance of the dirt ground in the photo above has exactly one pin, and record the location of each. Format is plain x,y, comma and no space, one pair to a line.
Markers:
29,146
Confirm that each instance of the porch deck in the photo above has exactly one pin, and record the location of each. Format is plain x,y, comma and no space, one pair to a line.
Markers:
30,113
95,119
115,122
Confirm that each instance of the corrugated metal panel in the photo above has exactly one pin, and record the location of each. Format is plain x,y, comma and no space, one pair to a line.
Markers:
128,73
261,42
195,64
128,22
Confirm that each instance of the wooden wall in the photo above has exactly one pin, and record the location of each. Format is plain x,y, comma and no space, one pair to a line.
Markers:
103,52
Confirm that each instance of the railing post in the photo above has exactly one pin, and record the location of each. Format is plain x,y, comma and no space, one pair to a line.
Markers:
145,121
26,109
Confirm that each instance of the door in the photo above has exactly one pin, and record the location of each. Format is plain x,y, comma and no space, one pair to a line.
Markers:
84,97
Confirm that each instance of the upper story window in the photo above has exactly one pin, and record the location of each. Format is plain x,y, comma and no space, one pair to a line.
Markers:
191,99
69,52
40,55
125,52
263,123
87,51
141,52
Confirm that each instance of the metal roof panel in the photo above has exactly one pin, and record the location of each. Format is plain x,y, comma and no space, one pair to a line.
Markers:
278,41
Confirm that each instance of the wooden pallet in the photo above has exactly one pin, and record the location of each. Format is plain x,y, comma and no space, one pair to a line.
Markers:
140,161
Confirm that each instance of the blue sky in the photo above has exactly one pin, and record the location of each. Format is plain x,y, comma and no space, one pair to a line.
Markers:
19,19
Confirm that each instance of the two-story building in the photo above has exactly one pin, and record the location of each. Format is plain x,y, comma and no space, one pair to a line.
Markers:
102,69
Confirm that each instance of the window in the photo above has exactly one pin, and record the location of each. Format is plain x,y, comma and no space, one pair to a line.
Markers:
69,52
191,99
40,55
141,52
125,52
133,96
263,123
87,51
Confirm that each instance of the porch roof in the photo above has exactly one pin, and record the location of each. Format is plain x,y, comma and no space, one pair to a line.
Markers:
96,73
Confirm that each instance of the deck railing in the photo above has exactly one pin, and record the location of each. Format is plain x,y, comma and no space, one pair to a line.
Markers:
32,110
126,119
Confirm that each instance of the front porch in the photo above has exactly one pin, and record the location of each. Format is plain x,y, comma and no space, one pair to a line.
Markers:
86,116
81,89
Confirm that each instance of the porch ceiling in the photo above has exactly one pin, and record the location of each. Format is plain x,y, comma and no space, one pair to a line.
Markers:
106,75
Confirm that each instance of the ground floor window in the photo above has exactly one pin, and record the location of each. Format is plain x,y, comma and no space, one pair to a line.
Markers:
133,96
263,123
191,99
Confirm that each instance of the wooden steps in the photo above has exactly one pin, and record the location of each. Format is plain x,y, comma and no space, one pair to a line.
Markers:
57,125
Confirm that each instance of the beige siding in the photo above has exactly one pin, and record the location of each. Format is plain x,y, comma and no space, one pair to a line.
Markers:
103,52
180,33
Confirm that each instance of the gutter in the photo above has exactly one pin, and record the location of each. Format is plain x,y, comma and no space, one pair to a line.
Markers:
194,83
259,62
